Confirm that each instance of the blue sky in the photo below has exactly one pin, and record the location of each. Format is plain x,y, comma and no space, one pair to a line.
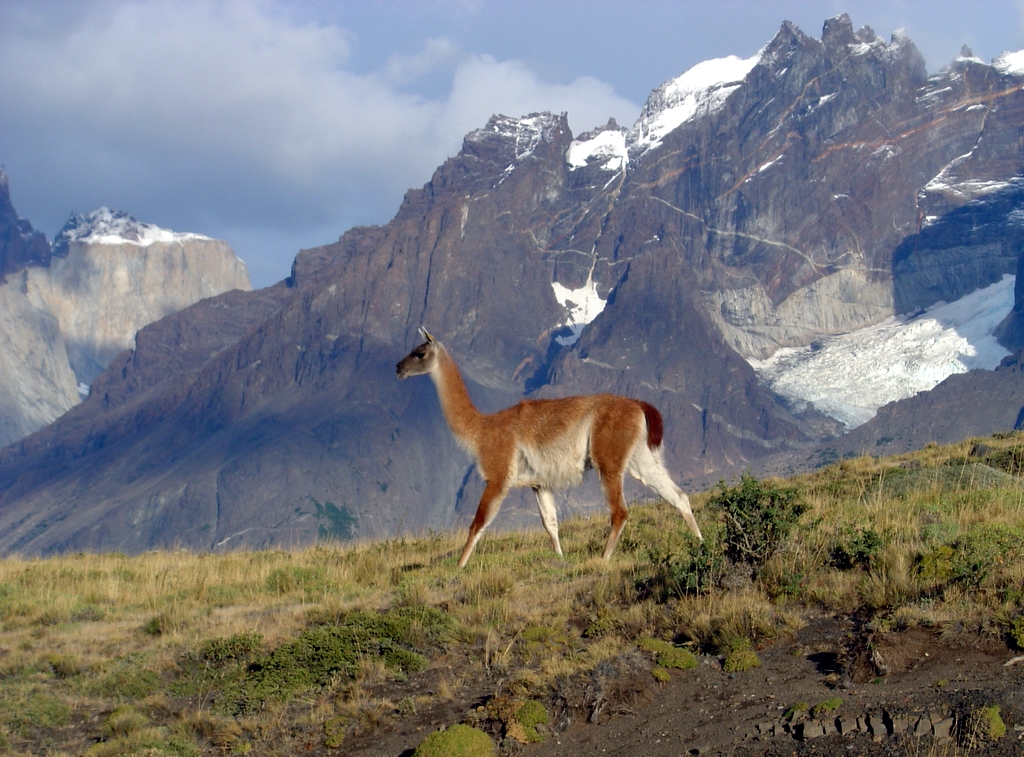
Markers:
279,125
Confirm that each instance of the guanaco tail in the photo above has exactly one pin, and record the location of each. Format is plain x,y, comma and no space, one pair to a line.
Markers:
547,444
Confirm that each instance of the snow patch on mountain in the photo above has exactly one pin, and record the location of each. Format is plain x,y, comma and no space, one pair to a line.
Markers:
699,91
105,226
607,146
948,183
1010,63
851,375
582,306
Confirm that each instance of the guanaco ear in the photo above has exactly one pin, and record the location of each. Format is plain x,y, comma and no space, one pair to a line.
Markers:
425,335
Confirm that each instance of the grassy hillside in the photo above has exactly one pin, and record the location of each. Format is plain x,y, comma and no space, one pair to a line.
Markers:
278,652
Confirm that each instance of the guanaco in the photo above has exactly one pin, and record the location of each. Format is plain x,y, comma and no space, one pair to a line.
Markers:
549,443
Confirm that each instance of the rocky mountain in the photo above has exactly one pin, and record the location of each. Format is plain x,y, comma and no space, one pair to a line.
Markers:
20,244
817,187
68,312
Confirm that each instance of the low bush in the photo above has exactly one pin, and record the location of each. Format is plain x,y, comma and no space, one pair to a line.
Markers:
697,569
324,655
983,551
668,655
740,656
456,741
856,548
826,707
758,518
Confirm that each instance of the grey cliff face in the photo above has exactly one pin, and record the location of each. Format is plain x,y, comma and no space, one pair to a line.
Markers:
820,187
69,314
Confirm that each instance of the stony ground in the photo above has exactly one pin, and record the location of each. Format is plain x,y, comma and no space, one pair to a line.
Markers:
921,707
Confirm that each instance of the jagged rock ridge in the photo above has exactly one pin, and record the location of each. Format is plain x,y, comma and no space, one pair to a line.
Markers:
821,186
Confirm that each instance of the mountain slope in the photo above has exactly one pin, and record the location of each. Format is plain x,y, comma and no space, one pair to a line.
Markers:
818,187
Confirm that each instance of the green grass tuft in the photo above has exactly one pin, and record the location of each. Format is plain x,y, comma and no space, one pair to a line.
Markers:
669,655
824,708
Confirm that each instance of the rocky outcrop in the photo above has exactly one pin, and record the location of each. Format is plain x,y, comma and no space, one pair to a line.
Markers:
820,186
68,315
20,244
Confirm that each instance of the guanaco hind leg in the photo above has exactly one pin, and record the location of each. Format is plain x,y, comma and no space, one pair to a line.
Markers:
489,505
548,516
617,504
646,467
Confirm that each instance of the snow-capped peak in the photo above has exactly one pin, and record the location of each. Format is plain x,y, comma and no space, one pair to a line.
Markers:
106,226
1010,63
524,133
701,90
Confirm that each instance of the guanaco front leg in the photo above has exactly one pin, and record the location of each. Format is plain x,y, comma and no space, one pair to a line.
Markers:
489,505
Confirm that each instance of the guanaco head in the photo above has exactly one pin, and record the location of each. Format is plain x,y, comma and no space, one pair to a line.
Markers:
421,360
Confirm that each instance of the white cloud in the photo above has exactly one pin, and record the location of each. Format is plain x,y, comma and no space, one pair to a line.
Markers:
232,113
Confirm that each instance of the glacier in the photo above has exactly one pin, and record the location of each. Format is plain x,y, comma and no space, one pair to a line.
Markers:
850,376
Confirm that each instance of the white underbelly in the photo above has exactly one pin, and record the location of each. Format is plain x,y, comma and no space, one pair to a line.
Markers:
556,466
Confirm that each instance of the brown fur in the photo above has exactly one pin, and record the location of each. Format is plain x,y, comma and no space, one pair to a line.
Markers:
655,425
546,444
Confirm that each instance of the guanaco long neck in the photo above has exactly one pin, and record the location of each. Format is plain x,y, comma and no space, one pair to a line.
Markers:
463,418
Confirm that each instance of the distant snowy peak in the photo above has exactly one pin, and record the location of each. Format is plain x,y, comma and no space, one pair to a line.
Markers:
522,134
105,226
698,92
1011,64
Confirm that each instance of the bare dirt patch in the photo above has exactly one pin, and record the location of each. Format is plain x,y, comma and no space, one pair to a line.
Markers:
920,704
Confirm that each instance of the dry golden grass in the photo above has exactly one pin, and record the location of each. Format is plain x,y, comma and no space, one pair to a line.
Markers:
81,635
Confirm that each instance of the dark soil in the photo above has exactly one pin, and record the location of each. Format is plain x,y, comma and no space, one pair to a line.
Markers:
901,694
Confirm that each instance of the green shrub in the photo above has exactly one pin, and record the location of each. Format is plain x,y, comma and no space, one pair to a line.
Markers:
824,708
456,741
238,647
740,656
937,564
856,549
694,571
987,723
543,640
986,548
324,655
531,715
335,730
1017,632
758,518
981,551
669,655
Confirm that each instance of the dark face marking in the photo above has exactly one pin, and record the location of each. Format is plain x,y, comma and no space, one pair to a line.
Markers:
416,362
